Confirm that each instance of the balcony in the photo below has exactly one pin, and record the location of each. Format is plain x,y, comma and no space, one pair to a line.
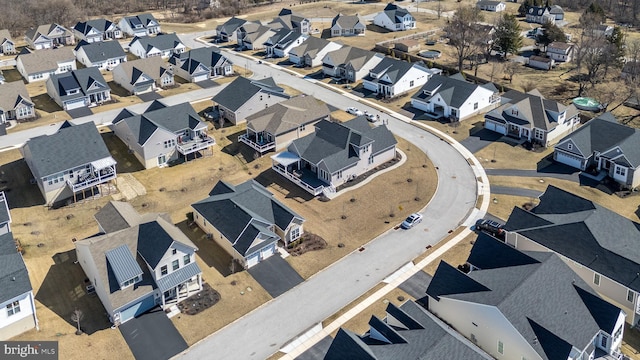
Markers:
102,171
301,179
190,145
259,144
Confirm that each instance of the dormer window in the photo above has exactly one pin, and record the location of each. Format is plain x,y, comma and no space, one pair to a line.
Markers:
72,91
130,282
174,251
570,146
514,112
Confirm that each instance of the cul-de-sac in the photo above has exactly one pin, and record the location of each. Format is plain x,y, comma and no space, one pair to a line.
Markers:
320,179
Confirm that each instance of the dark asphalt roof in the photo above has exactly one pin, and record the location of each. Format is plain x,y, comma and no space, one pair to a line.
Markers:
101,25
454,92
231,25
532,110
450,280
117,215
14,277
161,41
66,149
153,242
490,253
4,209
144,19
393,68
208,57
101,51
395,12
82,79
240,90
584,232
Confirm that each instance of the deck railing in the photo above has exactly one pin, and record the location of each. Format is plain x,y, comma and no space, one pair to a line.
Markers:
196,144
297,180
261,148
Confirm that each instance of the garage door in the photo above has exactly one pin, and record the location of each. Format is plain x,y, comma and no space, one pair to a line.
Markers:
137,309
572,161
499,128
202,77
143,89
253,259
268,251
74,104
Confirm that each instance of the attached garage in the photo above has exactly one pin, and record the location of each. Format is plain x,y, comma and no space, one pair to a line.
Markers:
74,104
268,251
143,89
201,77
494,126
571,160
138,308
253,259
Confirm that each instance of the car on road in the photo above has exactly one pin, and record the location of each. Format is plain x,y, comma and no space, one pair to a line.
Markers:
354,111
409,222
372,117
490,226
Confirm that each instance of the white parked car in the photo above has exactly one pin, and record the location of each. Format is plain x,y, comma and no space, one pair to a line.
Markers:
409,222
354,111
371,117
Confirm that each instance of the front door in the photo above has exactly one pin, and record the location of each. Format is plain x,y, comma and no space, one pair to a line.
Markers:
162,160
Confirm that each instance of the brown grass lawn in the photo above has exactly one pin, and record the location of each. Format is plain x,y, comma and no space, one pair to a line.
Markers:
626,207
507,156
502,205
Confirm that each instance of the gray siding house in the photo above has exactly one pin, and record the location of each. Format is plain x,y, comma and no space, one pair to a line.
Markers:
246,221
227,31
140,262
70,161
334,154
49,36
163,45
347,25
78,88
97,30
350,63
39,65
15,103
7,45
143,75
201,64
103,55
290,20
244,97
139,25
162,133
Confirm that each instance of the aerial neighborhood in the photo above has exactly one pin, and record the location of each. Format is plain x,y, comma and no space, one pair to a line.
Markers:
452,179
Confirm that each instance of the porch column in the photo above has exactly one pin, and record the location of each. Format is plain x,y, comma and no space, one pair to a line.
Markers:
163,300
200,281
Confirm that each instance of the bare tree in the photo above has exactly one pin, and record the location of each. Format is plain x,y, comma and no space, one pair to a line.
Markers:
464,33
511,69
76,317
528,85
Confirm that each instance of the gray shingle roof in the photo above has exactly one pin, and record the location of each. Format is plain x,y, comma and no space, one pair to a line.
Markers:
600,239
14,277
231,25
288,115
345,21
100,25
5,217
117,215
154,67
12,94
161,42
66,149
101,51
395,12
332,142
46,60
45,30
543,300
208,57
5,35
144,19
532,110
241,212
82,79
407,333
240,90
311,44
288,19
156,237
453,91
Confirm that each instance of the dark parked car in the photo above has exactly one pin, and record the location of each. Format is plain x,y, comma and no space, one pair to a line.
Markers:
489,226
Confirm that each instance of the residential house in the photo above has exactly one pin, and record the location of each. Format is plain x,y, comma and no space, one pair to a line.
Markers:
311,51
103,55
598,244
407,332
631,71
49,36
455,98
524,305
557,12
143,75
606,146
78,88
601,30
560,51
275,127
408,45
539,15
201,64
288,19
15,103
7,45
139,25
334,154
247,221
490,5
244,97
97,30
61,170
395,18
350,63
163,45
347,25
253,35
162,133
392,77
541,62
282,41
141,261
39,65
17,304
227,31
531,117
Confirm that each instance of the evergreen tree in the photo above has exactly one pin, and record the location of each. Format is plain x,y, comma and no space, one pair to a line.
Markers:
508,37
550,33
594,13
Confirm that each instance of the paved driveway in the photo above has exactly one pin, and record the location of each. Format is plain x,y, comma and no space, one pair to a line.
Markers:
78,113
150,96
480,139
417,284
152,336
207,84
275,275
504,190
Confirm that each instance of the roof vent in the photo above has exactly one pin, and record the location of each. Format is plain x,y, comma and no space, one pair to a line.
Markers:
13,278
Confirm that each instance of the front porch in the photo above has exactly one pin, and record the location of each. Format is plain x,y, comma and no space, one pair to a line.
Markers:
173,293
99,98
259,141
99,172
199,140
292,167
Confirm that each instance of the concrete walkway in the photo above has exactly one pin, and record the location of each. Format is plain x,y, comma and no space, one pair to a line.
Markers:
575,177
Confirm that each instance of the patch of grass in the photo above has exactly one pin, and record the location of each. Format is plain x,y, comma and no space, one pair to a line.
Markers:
45,103
428,252
457,255
500,155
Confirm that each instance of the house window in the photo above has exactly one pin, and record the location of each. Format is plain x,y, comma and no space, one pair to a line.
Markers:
13,308
186,259
169,143
173,251
475,106
411,83
603,341
302,127
163,270
618,332
596,279
621,171
570,146
295,233
630,296
370,159
539,134
175,265
260,97
500,347
129,282
339,175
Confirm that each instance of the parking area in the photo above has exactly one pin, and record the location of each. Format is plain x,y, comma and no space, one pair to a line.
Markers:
152,336
480,139
275,275
80,112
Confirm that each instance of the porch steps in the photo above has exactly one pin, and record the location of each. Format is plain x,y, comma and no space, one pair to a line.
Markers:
173,311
